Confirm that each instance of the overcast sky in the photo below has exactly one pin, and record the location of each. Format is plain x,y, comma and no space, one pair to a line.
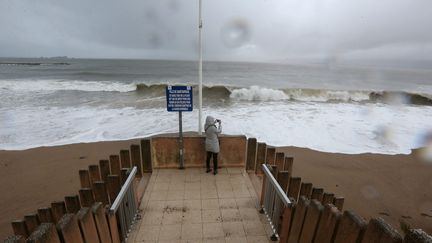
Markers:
251,30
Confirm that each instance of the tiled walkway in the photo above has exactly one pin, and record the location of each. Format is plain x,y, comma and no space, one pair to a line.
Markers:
193,206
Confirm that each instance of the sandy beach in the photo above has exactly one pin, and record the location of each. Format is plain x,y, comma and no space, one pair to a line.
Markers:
390,186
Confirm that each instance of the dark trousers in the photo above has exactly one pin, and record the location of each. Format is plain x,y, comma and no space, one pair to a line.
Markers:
215,162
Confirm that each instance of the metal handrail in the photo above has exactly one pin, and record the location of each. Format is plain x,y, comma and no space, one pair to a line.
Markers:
275,199
125,206
276,185
116,204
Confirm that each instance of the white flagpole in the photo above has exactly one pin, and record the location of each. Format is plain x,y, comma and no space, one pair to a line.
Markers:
200,69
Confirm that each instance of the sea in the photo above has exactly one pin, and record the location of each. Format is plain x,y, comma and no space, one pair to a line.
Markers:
327,107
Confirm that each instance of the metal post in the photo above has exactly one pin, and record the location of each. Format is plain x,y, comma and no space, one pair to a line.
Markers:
200,69
181,141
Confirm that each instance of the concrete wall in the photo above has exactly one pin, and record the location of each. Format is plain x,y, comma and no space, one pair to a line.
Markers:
165,151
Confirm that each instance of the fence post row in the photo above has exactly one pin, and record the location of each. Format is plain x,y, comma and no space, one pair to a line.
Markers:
83,217
301,213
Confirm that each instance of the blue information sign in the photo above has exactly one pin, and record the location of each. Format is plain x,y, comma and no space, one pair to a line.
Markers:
179,98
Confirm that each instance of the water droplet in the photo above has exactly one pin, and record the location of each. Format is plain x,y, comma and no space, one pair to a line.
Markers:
425,141
396,98
383,134
154,40
235,33
369,192
174,5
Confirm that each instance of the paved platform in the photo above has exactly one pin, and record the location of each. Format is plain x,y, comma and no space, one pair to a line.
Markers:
193,206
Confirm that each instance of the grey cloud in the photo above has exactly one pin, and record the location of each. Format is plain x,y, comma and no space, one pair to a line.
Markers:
270,29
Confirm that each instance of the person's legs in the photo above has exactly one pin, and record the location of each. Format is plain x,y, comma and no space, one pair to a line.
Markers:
209,154
215,163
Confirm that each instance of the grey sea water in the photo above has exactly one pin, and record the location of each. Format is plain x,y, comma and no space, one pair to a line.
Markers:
349,108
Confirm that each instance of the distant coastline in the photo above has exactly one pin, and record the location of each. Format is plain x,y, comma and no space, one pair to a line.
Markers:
32,63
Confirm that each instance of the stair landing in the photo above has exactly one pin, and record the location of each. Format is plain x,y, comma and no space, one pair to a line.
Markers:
193,206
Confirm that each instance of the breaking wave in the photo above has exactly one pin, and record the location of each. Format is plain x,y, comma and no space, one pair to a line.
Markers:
256,93
223,92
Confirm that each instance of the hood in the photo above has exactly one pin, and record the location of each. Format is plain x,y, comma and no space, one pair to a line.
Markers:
209,121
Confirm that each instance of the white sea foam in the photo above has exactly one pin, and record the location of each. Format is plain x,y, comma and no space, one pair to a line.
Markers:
331,127
327,95
56,85
255,93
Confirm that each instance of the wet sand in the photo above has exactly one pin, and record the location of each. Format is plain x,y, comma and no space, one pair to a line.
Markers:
393,187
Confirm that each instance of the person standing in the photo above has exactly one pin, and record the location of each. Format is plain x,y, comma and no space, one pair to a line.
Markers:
212,141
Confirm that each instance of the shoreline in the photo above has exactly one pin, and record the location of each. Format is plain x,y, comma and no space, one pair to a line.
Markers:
393,187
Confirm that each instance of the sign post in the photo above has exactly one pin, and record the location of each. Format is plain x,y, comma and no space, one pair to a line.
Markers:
179,99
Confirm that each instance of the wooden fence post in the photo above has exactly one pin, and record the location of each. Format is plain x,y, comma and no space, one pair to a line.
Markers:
125,159
279,160
113,186
32,222
294,187
136,158
19,228
58,209
339,202
274,171
45,215
94,173
328,224
350,229
115,164
100,192
261,158
379,231
263,187
87,225
306,189
327,198
298,219
72,204
84,178
146,155
68,229
101,222
124,175
312,219
317,193
287,216
283,180
112,222
288,165
86,197
270,155
104,168
251,154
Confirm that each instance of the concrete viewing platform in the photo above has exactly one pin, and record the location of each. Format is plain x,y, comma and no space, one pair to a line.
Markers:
193,206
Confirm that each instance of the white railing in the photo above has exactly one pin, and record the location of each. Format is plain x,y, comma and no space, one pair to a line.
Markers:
275,200
125,206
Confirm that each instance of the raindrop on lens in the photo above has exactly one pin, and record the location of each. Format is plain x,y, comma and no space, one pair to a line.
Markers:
383,134
369,192
426,150
235,33
396,99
